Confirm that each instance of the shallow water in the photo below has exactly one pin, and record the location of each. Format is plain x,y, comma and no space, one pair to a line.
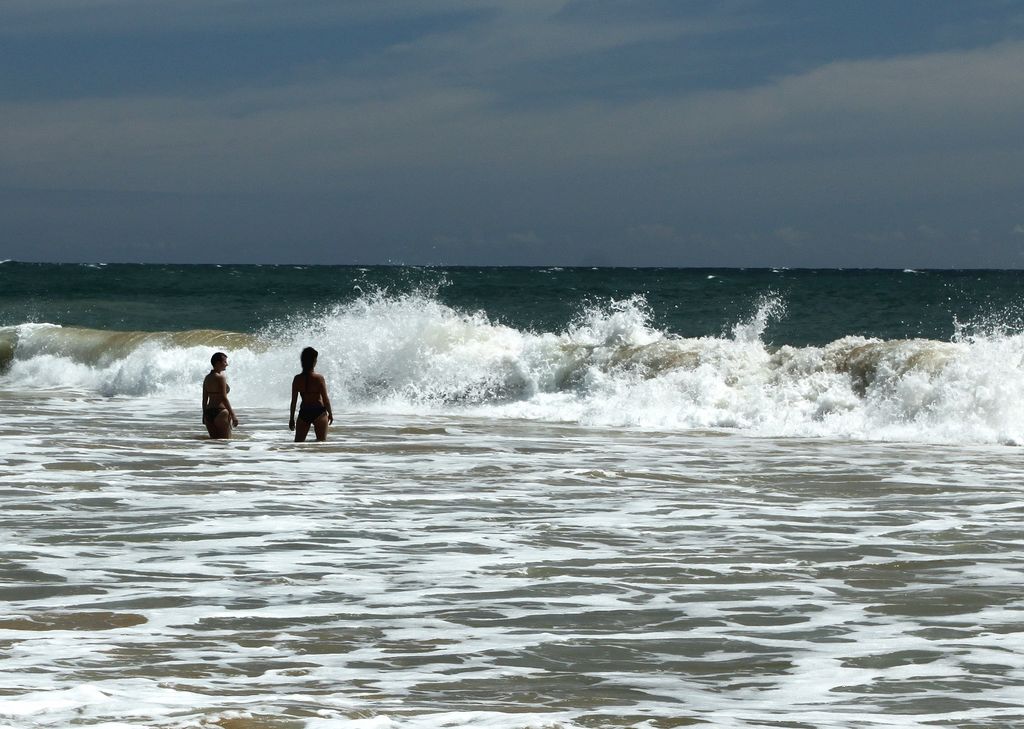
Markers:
445,570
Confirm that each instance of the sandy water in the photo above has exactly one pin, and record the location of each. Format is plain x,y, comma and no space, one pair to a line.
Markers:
446,571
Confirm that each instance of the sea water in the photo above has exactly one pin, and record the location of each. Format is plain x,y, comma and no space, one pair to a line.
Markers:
550,498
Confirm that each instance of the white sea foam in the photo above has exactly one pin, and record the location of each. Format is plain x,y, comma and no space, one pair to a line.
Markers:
611,367
461,553
418,572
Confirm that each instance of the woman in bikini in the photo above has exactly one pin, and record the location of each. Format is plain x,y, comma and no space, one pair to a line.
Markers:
218,417
315,409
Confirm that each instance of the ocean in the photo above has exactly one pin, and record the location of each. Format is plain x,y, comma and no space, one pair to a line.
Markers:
551,498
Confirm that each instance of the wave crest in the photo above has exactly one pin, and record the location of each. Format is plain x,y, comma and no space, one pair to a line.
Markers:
611,367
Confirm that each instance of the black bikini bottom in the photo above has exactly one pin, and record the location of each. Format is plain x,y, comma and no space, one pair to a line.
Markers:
310,413
210,414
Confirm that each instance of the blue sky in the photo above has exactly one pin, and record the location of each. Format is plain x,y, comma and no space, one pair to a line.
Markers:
578,132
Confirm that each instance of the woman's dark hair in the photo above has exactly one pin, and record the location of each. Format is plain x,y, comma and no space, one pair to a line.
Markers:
217,357
308,359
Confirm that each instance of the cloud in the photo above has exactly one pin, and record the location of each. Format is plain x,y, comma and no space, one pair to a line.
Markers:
653,231
423,134
881,237
528,238
534,31
919,119
105,17
792,236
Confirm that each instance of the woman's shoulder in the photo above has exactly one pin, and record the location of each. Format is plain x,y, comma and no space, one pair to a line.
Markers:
215,382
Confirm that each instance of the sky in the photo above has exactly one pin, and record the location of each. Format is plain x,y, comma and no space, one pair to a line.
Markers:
800,133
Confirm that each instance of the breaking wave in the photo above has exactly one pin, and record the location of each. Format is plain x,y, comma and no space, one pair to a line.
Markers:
610,367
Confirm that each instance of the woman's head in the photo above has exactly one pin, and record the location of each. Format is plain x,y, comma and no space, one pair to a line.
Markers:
218,358
308,359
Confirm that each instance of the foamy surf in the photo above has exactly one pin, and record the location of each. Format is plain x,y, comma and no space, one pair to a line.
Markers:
611,367
563,526
449,571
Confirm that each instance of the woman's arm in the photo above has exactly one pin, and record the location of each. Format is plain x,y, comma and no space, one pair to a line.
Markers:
327,400
295,397
223,384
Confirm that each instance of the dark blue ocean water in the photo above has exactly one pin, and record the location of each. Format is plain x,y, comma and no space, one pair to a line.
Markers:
819,305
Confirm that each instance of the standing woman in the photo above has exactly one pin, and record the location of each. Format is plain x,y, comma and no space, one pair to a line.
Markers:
316,406
218,417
